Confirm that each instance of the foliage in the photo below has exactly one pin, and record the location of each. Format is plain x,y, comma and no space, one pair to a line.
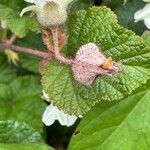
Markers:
19,26
116,125
120,117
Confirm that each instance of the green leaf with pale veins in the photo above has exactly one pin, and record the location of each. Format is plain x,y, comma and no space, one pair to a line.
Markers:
16,132
123,125
98,25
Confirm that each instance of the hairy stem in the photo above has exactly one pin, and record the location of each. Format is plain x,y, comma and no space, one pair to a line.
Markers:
57,55
25,50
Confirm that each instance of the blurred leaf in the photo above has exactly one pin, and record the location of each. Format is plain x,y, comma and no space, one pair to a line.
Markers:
124,125
16,132
20,100
97,25
81,4
28,61
19,26
7,71
125,13
24,147
14,4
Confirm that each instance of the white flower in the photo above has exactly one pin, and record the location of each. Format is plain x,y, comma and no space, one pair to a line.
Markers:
143,14
52,113
49,12
146,0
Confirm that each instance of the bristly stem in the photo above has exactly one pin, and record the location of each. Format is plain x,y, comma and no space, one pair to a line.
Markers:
53,47
57,55
25,50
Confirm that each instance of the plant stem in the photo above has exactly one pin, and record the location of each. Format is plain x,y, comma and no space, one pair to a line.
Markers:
57,54
26,50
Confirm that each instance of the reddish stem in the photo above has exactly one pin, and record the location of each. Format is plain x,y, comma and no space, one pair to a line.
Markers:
25,50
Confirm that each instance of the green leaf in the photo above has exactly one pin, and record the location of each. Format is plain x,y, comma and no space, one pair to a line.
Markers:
14,4
81,4
19,26
97,25
123,125
20,100
24,147
16,132
29,62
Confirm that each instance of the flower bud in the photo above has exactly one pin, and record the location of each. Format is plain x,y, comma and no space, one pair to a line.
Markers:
49,12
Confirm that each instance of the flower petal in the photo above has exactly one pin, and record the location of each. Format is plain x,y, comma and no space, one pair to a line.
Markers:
37,2
52,113
147,22
142,13
146,0
33,8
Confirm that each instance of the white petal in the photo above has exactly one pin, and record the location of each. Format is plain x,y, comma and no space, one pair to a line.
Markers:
30,1
147,22
146,0
142,13
33,8
37,2
52,113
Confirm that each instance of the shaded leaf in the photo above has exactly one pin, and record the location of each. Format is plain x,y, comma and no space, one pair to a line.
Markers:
20,100
15,132
19,26
7,71
28,61
81,4
123,125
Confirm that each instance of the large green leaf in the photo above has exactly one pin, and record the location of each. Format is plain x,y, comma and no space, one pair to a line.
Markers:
24,147
97,25
16,132
19,26
124,125
20,100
